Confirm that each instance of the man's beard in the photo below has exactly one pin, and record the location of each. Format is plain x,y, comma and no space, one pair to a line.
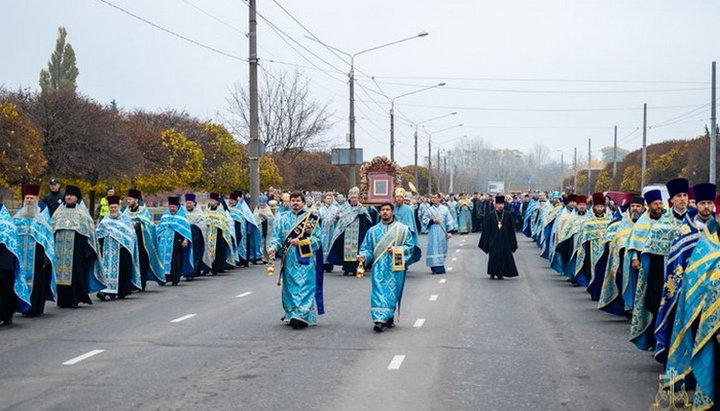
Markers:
655,214
189,209
115,215
634,216
29,211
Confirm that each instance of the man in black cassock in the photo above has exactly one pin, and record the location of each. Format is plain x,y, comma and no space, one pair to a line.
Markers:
499,242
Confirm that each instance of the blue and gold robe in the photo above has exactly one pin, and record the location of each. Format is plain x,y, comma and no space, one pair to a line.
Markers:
68,222
35,234
406,215
387,283
592,245
218,222
650,240
9,238
352,225
617,267
168,226
118,234
149,243
301,275
437,243
328,218
680,252
465,207
694,348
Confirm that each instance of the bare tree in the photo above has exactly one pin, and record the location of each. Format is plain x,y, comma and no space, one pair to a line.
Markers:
291,121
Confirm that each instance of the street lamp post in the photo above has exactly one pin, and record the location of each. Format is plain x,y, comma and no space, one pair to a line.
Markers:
351,82
430,154
392,115
417,176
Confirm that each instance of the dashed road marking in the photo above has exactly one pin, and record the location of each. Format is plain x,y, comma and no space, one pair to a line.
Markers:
457,251
443,281
183,318
396,362
83,357
245,294
449,269
454,258
434,297
419,322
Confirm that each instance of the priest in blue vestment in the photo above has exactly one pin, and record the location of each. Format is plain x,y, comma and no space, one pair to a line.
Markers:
175,242
295,241
404,213
118,245
677,259
144,225
14,292
650,243
352,224
440,225
78,271
386,248
37,251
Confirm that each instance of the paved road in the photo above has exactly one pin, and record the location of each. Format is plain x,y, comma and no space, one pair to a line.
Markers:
464,342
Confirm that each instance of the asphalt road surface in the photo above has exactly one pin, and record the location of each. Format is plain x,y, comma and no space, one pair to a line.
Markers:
464,342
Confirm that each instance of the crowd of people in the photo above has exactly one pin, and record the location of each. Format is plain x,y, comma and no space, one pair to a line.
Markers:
652,261
56,249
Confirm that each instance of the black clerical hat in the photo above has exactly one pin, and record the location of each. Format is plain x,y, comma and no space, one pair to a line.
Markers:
678,186
73,191
704,192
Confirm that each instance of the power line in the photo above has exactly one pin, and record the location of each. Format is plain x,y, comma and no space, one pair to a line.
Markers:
278,30
526,91
539,80
570,109
180,36
224,23
309,32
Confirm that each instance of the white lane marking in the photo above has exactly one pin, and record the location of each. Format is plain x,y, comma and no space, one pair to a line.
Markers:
454,258
183,318
434,297
396,362
449,269
245,294
82,357
443,281
457,251
419,322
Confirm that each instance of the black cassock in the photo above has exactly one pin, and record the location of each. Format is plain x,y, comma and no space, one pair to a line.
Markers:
499,243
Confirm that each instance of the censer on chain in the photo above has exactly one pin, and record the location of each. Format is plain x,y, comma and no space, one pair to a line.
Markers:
360,272
270,266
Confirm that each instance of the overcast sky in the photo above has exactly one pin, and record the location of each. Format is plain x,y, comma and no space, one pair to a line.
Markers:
517,72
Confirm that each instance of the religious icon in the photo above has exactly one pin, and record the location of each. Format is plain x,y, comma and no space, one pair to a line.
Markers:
398,259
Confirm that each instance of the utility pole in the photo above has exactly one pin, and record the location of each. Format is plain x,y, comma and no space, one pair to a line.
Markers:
429,169
417,178
254,146
589,177
575,190
562,171
445,174
713,130
615,155
392,131
644,148
351,76
438,171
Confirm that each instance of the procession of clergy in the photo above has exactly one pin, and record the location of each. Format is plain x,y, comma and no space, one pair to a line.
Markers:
657,264
53,251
